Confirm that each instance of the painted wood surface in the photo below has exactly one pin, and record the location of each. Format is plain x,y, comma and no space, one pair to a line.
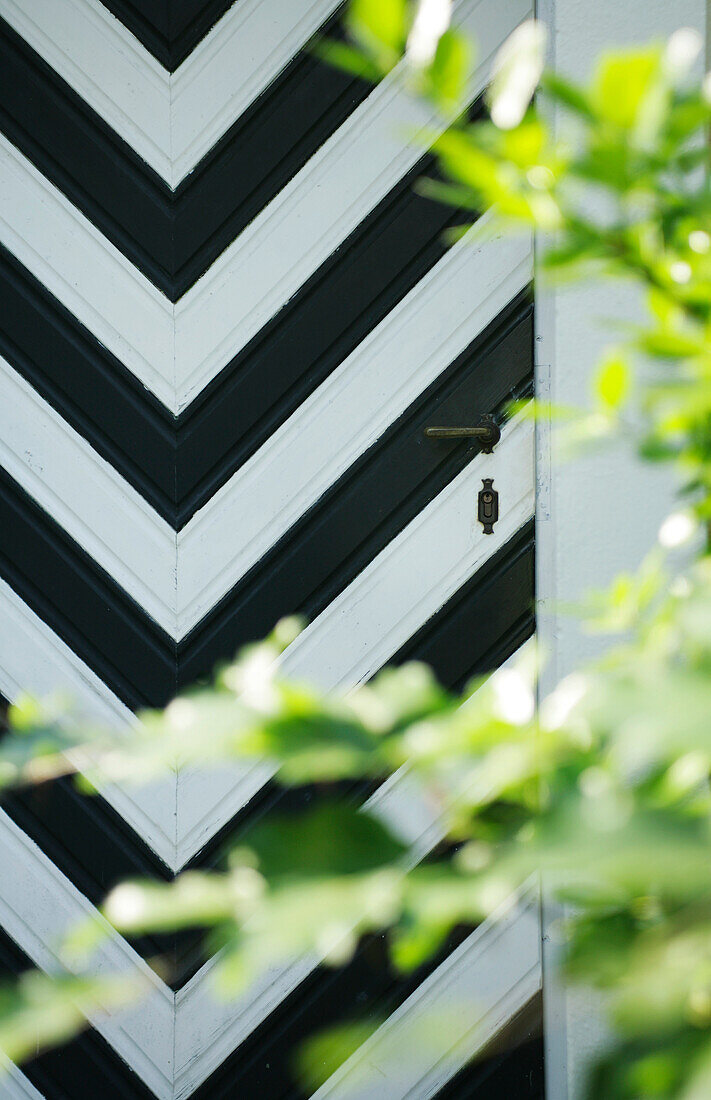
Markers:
228,316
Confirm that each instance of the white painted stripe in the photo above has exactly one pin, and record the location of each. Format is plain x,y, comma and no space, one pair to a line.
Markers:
447,309
13,1083
404,804
38,907
176,351
84,494
451,1017
170,121
207,1029
208,798
419,570
386,604
34,661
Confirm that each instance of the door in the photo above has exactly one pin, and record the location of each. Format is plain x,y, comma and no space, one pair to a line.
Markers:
228,318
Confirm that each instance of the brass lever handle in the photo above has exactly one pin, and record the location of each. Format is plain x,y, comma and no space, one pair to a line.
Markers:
487,431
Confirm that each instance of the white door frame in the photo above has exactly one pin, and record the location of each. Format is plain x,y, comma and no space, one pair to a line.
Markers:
598,516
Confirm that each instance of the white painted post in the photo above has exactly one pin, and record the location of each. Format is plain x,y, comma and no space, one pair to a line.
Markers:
597,516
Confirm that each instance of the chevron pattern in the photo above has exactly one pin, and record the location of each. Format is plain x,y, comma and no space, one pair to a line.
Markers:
227,318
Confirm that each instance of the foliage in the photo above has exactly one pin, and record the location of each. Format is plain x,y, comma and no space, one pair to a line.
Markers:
605,788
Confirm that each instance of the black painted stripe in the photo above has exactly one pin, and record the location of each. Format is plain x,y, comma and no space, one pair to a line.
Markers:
172,237
479,628
516,1074
512,1065
178,464
308,567
169,29
87,1066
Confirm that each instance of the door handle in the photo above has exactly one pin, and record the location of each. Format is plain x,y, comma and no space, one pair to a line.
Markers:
487,431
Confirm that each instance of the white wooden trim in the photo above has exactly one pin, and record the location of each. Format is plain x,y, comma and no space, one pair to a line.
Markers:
176,351
84,494
171,121
491,977
13,1083
577,549
38,906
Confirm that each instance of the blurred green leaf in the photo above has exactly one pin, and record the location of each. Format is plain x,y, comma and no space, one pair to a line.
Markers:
612,382
621,82
343,56
449,69
321,1055
333,838
380,26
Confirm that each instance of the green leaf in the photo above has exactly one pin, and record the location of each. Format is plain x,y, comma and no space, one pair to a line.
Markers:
568,94
322,1054
348,58
448,71
380,26
612,382
621,82
332,839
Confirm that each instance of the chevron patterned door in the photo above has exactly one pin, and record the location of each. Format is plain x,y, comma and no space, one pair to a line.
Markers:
227,318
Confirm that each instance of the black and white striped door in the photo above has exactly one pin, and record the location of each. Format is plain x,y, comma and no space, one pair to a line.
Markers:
227,319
